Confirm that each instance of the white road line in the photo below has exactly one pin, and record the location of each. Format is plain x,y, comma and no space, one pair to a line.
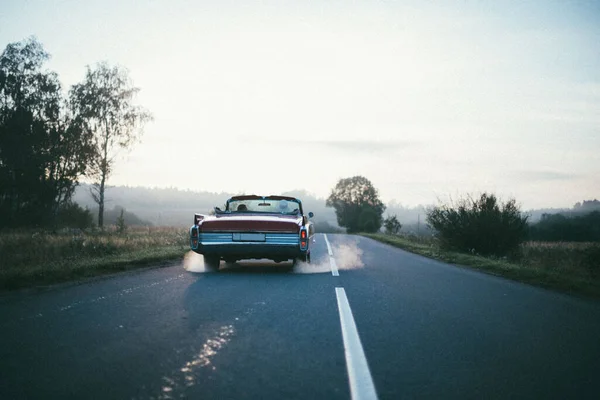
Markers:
332,264
361,382
328,245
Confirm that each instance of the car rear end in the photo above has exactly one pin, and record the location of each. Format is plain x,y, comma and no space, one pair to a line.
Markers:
249,237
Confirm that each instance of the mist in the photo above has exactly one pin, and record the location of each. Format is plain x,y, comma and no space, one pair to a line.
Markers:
193,262
423,99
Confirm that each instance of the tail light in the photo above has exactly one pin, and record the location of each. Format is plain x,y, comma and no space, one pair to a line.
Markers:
194,237
303,239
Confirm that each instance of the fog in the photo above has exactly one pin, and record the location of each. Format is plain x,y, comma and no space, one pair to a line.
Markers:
426,100
175,207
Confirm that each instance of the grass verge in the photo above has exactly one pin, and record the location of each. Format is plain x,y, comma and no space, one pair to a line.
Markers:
37,259
574,269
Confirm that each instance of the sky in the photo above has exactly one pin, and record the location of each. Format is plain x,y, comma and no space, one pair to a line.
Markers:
428,100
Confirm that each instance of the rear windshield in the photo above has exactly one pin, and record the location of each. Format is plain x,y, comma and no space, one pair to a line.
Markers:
264,206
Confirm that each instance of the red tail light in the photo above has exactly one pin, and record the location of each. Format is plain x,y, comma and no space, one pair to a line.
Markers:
303,239
194,237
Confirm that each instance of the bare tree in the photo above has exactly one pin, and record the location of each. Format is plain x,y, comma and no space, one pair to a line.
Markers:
103,102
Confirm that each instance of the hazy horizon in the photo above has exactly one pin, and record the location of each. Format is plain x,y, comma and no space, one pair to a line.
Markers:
425,100
174,207
391,205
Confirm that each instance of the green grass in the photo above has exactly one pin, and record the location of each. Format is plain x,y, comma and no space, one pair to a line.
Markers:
42,258
568,267
30,259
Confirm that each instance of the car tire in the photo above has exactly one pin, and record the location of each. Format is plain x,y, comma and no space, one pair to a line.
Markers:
306,258
211,263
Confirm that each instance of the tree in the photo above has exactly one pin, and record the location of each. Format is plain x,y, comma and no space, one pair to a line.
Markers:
42,153
121,226
559,227
357,205
73,153
482,225
392,225
72,215
587,206
103,104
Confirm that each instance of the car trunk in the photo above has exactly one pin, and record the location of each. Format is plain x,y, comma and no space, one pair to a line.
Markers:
249,223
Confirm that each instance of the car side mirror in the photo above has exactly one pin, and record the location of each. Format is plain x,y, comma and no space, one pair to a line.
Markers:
311,214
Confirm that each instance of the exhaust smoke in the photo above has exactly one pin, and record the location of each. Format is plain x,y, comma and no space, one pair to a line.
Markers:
312,268
348,256
193,262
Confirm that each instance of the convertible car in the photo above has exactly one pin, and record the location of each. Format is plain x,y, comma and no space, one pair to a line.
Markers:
253,227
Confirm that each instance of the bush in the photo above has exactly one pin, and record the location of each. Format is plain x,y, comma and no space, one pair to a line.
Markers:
121,226
481,226
111,217
72,215
392,225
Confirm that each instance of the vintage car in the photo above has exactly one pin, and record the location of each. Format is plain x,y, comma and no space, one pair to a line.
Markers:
253,227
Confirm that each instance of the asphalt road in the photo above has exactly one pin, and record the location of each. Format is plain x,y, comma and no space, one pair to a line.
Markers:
425,329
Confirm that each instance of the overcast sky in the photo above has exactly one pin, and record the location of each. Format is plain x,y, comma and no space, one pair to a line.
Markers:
425,99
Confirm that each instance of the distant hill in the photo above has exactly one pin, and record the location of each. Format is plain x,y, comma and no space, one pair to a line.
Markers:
175,207
536,215
579,209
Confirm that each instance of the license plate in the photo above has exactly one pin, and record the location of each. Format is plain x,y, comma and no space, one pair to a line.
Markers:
249,237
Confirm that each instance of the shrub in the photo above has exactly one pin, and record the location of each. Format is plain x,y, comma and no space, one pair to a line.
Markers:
72,215
392,225
121,227
480,226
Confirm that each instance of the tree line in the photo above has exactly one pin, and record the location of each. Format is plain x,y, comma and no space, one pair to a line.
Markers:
49,140
482,225
579,224
567,228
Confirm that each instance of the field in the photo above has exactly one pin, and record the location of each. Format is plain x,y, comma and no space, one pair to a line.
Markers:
41,258
577,259
569,267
